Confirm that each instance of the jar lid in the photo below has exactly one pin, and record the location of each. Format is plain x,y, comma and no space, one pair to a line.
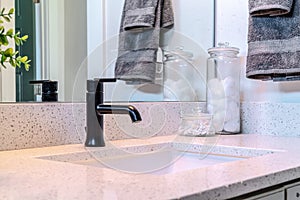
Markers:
197,116
178,52
195,113
223,47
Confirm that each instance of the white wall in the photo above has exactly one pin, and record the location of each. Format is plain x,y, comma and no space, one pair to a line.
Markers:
67,45
75,43
95,34
56,36
232,26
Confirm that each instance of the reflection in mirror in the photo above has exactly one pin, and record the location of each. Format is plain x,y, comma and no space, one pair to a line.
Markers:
181,77
78,40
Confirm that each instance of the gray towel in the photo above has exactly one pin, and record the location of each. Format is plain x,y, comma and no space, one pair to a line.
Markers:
141,24
273,41
269,7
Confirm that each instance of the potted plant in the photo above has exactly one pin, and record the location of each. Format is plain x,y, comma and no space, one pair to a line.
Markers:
8,54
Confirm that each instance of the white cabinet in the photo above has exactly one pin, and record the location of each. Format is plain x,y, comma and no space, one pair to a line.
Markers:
284,191
272,195
293,192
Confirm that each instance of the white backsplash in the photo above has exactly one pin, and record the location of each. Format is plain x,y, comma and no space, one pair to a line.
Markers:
279,119
49,124
38,125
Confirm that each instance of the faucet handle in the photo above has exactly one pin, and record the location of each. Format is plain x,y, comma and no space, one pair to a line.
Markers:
96,84
103,80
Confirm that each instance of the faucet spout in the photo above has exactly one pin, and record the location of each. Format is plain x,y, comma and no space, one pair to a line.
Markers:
95,109
120,109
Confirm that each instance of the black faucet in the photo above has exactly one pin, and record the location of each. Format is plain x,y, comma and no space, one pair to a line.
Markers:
95,109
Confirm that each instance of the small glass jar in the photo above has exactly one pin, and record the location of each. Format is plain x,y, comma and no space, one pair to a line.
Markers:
196,123
223,88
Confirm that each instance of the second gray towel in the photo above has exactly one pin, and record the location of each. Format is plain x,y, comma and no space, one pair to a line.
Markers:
273,41
141,24
269,7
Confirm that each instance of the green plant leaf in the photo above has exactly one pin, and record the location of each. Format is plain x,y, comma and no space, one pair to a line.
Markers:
11,11
3,59
6,18
24,59
12,62
3,40
9,55
9,52
18,63
10,32
24,38
27,66
17,41
1,29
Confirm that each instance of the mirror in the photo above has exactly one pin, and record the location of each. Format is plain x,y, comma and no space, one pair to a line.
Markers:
77,36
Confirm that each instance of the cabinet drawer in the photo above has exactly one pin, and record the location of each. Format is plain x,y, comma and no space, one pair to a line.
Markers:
272,195
293,193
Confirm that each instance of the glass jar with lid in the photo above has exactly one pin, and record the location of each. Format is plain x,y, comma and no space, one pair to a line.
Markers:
223,88
179,76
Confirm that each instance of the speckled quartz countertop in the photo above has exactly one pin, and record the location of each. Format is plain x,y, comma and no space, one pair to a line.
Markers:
25,176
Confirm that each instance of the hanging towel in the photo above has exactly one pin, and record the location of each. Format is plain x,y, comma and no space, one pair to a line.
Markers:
142,21
273,39
269,7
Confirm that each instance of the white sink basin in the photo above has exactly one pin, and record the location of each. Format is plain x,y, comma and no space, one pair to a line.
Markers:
159,159
165,162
